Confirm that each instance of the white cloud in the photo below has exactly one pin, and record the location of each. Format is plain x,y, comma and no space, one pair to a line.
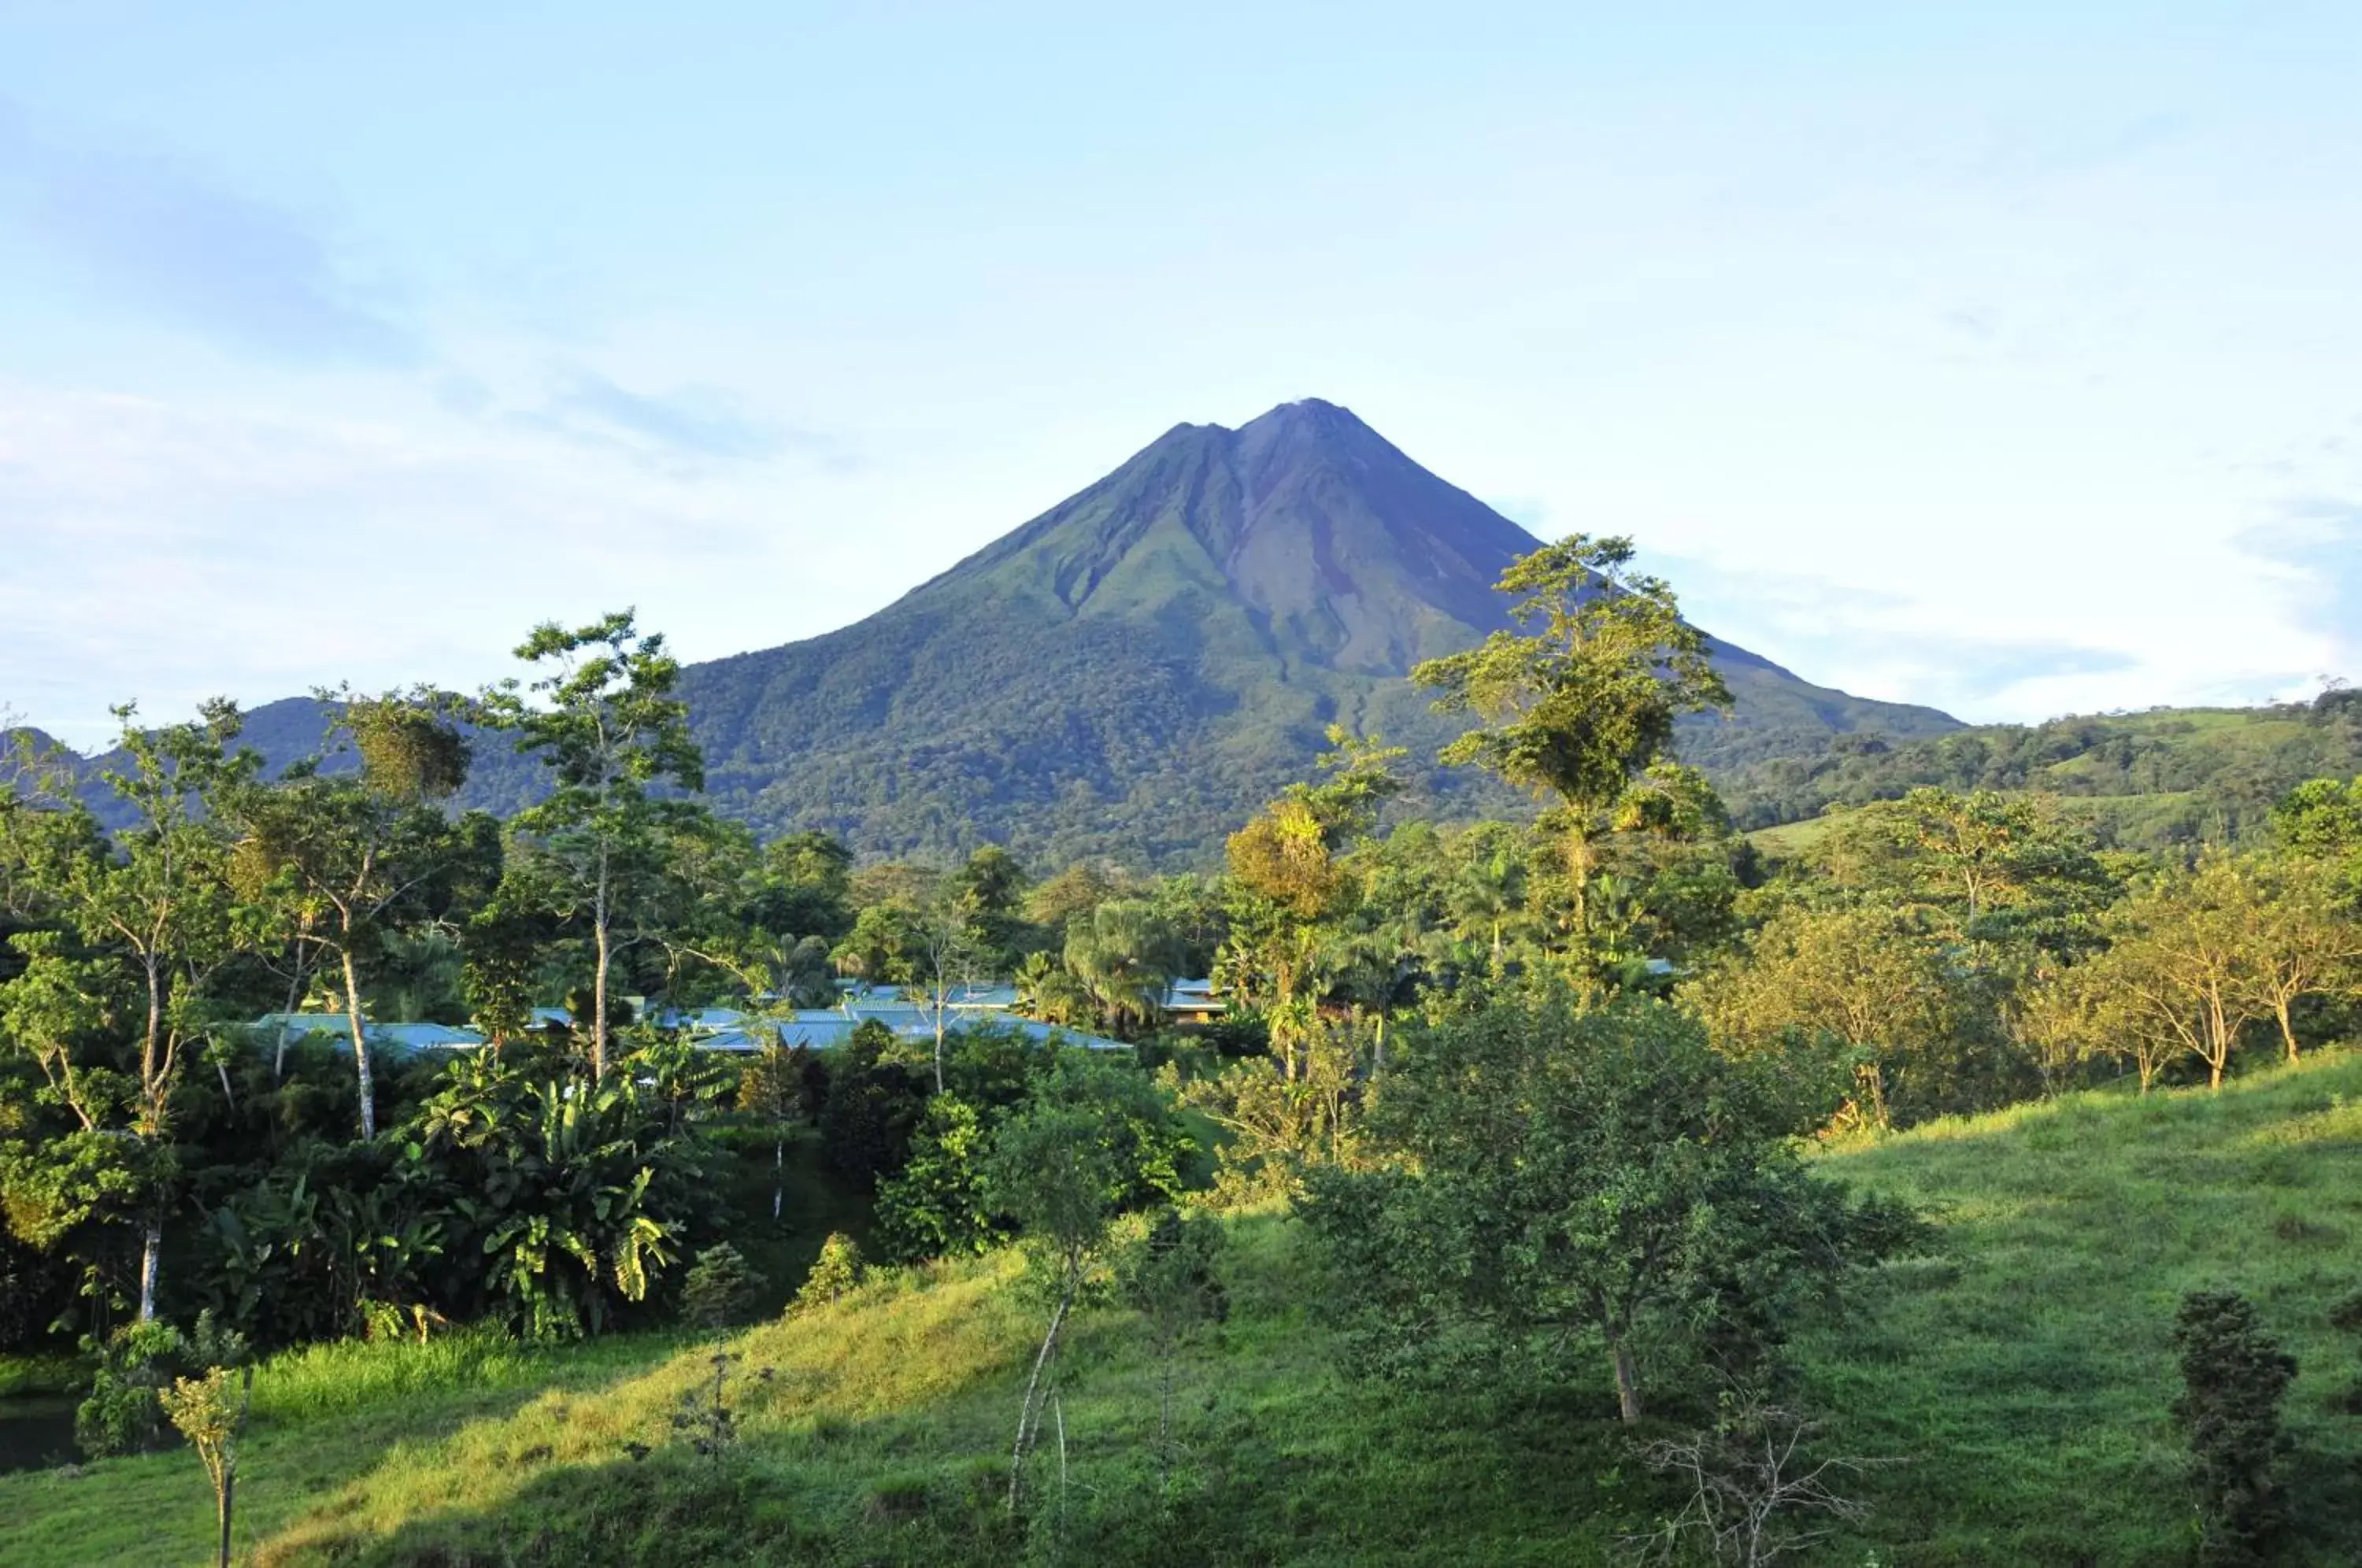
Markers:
169,553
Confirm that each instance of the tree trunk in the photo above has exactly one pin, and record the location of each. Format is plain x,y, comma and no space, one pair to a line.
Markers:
778,1176
1028,1414
1164,1419
151,1251
599,985
2218,1044
150,1076
2281,1010
360,1044
294,999
1628,1381
1580,856
228,1461
1871,1077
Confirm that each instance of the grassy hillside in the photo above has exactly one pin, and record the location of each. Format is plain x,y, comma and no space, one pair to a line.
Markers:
2027,1373
2024,1372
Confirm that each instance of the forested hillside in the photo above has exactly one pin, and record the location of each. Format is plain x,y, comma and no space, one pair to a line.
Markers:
2152,779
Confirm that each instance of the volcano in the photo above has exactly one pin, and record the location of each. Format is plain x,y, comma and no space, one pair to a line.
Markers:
1133,672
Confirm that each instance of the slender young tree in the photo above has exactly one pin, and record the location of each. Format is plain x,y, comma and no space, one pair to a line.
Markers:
1169,1276
1062,1165
606,721
945,962
771,1090
1052,1169
201,1408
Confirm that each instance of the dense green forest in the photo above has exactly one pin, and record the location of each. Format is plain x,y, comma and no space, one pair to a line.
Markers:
1966,1182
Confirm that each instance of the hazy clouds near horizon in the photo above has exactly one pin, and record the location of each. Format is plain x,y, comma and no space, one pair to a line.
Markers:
1999,360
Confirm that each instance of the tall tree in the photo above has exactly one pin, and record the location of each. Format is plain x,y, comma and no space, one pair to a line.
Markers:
2322,820
990,893
1123,954
1996,869
153,905
606,721
346,851
1488,891
1579,704
1290,880
803,888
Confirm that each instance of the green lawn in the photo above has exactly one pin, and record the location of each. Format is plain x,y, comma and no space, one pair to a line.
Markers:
2023,1373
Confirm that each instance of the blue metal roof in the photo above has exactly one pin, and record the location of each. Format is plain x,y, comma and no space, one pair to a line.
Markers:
825,1029
709,1018
397,1036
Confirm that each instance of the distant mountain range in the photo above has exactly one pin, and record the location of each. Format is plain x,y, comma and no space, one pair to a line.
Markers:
1131,673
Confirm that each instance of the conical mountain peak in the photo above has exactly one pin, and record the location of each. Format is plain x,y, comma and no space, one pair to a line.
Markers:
1338,548
1134,669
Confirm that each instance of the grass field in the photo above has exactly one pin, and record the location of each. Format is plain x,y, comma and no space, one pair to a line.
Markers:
2025,1373
2022,1372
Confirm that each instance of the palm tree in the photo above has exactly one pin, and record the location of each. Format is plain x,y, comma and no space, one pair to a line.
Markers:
1123,954
1489,894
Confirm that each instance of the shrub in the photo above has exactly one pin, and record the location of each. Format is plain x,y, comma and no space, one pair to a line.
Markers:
836,1270
721,1288
123,1413
2346,1318
935,1208
2234,1375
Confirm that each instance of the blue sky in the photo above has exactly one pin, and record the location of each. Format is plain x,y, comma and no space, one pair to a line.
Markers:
2002,359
